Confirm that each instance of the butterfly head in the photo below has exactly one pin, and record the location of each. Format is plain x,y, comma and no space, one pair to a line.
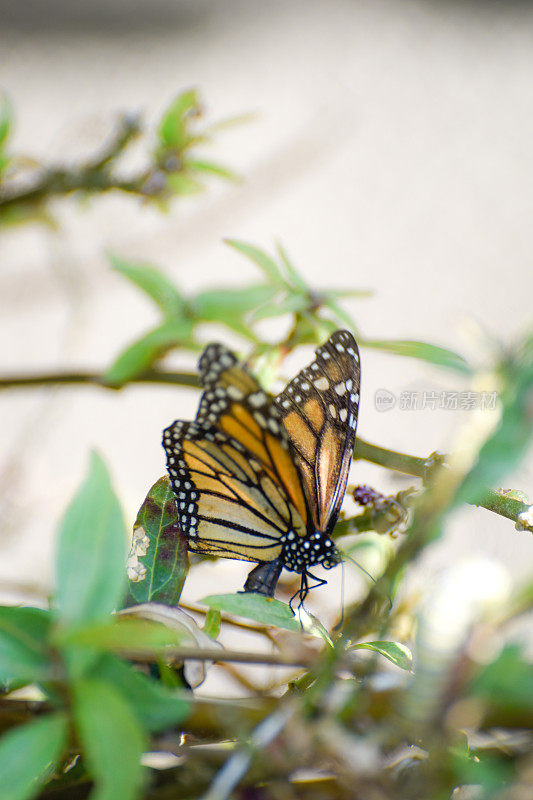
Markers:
299,554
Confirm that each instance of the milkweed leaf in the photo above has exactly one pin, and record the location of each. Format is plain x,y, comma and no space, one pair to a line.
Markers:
92,550
158,561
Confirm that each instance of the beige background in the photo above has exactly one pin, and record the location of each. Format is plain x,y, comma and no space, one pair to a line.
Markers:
391,149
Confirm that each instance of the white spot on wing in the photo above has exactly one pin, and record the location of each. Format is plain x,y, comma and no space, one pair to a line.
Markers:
322,384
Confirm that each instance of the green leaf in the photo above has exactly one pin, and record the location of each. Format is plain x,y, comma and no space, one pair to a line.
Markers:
212,168
257,607
222,304
5,120
155,706
124,634
422,350
507,682
143,353
212,623
173,128
293,275
30,754
153,283
261,259
183,184
158,562
236,324
341,315
509,443
398,653
112,738
23,645
92,551
289,305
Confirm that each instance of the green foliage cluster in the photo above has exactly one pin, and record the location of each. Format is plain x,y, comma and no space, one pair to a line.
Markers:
399,699
283,292
173,165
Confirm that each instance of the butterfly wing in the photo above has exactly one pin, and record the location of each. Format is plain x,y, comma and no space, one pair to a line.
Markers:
318,410
237,488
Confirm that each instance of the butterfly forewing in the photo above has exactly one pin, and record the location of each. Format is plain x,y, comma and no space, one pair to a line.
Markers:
237,487
318,410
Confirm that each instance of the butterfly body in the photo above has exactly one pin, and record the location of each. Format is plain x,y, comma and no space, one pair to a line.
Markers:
262,479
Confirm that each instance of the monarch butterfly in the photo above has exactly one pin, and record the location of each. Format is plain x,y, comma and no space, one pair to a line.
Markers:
261,478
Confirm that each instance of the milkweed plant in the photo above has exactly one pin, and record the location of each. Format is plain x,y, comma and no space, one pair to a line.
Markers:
399,696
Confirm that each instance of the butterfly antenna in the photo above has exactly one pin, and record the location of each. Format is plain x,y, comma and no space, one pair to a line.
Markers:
345,555
357,564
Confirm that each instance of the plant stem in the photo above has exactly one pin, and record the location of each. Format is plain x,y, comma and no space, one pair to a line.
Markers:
96,379
94,175
214,654
504,505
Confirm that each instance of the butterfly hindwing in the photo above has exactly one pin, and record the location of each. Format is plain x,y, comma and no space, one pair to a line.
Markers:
318,410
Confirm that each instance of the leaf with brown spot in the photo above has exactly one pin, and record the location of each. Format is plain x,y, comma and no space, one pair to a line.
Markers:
158,562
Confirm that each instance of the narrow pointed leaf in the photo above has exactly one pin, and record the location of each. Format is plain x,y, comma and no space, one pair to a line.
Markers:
222,304
30,754
212,168
142,354
92,550
181,183
154,284
112,738
257,607
292,273
341,315
261,259
158,562
290,305
422,350
398,653
173,128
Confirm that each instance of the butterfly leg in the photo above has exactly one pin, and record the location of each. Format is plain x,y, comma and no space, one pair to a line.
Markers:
263,578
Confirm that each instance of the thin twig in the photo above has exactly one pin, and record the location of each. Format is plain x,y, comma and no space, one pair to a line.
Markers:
96,379
502,504
214,654
93,176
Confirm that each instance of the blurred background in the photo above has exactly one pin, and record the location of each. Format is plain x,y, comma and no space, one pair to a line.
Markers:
390,149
